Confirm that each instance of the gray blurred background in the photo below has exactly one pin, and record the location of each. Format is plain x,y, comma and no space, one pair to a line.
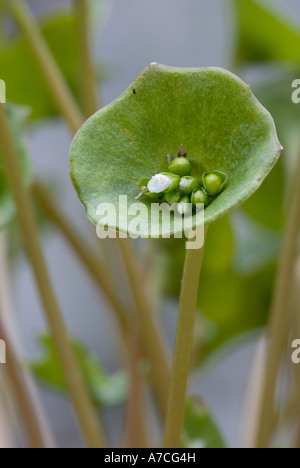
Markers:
189,33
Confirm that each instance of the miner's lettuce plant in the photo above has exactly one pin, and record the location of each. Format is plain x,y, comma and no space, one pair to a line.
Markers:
225,131
217,119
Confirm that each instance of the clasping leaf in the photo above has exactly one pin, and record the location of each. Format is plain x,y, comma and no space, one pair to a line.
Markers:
210,111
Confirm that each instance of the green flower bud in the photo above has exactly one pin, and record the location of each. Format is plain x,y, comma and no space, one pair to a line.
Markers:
172,197
199,197
214,182
184,206
180,166
152,195
189,184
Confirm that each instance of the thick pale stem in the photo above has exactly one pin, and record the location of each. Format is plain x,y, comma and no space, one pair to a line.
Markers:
151,338
90,98
76,386
279,323
183,348
50,72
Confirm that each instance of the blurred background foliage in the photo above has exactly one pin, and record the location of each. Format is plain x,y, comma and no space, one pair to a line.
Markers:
60,33
242,249
17,116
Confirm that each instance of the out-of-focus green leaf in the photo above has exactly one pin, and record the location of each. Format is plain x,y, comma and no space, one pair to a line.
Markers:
265,34
169,254
16,116
255,245
232,305
218,247
44,223
200,430
276,94
106,390
267,204
20,72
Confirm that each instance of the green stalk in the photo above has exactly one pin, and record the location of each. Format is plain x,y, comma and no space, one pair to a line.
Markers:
160,366
12,340
23,399
279,324
92,263
151,339
90,98
294,334
136,430
183,348
51,74
75,383
67,106
136,419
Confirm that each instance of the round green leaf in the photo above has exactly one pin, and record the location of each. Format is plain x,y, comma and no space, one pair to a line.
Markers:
210,111
16,116
200,429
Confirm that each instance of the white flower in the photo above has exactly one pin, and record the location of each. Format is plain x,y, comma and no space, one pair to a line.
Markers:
184,184
159,183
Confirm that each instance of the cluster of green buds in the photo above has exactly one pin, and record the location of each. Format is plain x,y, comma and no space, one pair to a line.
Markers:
178,186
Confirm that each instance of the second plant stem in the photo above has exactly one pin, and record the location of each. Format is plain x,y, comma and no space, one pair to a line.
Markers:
183,348
67,106
46,64
152,342
279,323
90,99
75,383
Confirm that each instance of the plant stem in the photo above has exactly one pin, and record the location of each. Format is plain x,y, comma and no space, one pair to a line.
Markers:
88,82
13,344
151,339
279,323
52,76
183,347
67,106
294,334
92,263
75,383
27,409
135,431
